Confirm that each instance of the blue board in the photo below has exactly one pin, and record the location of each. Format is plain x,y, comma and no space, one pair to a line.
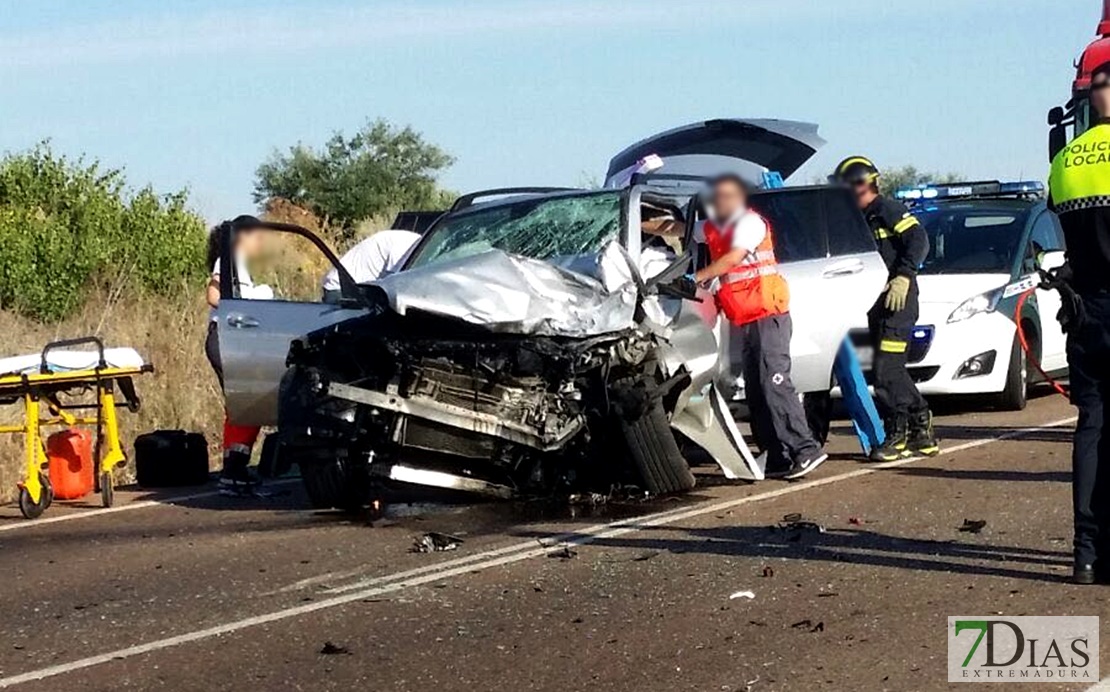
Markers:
849,375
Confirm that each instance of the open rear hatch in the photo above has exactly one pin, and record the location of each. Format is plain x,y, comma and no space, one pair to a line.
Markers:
713,147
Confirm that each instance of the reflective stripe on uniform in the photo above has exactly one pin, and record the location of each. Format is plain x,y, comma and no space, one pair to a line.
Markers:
893,346
749,273
1098,202
883,233
905,224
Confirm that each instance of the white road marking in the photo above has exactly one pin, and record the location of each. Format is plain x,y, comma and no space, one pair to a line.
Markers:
129,507
372,588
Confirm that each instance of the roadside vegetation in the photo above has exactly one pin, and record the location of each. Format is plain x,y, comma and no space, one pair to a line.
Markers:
83,252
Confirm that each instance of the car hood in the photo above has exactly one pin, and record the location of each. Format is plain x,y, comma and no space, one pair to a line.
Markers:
956,288
512,294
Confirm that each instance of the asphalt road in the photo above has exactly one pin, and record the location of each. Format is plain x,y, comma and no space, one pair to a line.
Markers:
207,593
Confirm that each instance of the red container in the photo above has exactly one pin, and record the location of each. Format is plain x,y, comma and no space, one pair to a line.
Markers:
71,463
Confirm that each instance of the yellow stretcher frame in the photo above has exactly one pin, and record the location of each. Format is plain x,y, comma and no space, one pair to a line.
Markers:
41,390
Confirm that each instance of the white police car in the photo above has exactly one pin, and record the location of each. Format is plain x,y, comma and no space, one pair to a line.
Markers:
987,241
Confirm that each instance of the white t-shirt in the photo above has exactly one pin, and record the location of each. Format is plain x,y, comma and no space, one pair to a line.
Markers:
248,290
749,230
380,254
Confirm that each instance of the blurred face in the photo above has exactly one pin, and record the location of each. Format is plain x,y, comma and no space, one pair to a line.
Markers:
728,199
248,243
1100,95
865,192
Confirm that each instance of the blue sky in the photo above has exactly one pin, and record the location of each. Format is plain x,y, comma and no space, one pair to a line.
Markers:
196,93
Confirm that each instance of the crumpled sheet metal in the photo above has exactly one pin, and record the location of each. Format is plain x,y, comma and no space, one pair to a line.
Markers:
513,294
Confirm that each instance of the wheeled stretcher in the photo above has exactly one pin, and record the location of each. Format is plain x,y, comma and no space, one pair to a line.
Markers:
41,381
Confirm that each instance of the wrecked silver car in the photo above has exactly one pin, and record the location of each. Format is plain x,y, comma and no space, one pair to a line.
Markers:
521,352
541,340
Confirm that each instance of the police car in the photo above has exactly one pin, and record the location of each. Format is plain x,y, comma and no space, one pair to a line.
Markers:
988,239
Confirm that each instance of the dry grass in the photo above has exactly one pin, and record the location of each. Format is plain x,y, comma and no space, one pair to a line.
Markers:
183,392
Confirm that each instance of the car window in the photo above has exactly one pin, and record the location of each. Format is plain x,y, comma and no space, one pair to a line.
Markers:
814,223
1046,236
541,228
797,220
973,238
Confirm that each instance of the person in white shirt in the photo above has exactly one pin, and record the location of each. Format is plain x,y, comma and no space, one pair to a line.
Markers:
379,255
238,440
753,295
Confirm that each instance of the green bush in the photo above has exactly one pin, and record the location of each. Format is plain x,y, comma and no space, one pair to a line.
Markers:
67,225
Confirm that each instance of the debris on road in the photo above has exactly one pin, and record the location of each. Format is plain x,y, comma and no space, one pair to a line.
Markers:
330,649
768,572
973,525
587,499
807,624
796,522
855,521
565,553
435,542
742,594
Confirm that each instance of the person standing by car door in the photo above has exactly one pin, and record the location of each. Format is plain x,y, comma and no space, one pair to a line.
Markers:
903,244
378,255
1079,192
755,299
238,440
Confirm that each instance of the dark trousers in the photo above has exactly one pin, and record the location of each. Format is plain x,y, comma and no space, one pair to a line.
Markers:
212,350
896,395
1089,363
778,419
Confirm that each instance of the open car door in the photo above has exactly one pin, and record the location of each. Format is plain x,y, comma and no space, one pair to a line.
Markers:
707,149
254,335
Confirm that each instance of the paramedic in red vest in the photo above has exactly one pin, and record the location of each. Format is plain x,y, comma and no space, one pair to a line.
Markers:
755,299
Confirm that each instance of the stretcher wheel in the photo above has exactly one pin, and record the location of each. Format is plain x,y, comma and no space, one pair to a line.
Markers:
34,510
107,490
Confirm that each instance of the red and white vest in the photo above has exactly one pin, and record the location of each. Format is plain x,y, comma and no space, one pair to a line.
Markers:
753,289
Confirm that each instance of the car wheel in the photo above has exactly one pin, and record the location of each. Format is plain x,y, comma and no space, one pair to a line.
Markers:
655,453
1013,397
334,484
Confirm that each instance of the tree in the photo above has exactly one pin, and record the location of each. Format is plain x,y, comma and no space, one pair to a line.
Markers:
380,168
895,179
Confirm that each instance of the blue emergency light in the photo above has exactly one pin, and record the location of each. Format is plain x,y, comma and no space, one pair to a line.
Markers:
988,188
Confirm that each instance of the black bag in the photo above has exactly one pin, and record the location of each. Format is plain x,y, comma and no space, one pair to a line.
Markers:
171,458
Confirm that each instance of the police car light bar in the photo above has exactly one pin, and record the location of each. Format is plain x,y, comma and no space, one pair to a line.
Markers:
990,188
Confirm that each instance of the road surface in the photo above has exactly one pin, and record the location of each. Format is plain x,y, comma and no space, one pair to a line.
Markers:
192,591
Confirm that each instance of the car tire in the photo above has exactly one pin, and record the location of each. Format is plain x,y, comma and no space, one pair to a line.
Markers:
1014,396
654,451
333,484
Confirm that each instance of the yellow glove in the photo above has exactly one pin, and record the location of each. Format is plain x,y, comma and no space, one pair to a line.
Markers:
896,292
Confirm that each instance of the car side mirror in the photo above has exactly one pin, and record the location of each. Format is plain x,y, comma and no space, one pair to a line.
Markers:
1057,140
1056,116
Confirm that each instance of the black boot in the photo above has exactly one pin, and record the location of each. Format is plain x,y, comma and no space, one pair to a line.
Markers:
897,437
922,440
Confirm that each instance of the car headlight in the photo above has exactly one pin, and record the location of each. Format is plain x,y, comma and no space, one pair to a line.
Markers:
984,302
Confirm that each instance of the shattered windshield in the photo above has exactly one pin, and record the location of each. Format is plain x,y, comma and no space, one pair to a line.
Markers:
541,228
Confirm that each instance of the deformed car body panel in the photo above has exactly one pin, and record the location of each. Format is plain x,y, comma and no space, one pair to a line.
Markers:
512,294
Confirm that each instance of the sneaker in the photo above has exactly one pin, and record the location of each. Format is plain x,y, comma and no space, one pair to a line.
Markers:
922,441
237,478
897,439
806,466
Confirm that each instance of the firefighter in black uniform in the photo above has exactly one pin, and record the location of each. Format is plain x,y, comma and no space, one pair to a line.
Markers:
903,244
1080,194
